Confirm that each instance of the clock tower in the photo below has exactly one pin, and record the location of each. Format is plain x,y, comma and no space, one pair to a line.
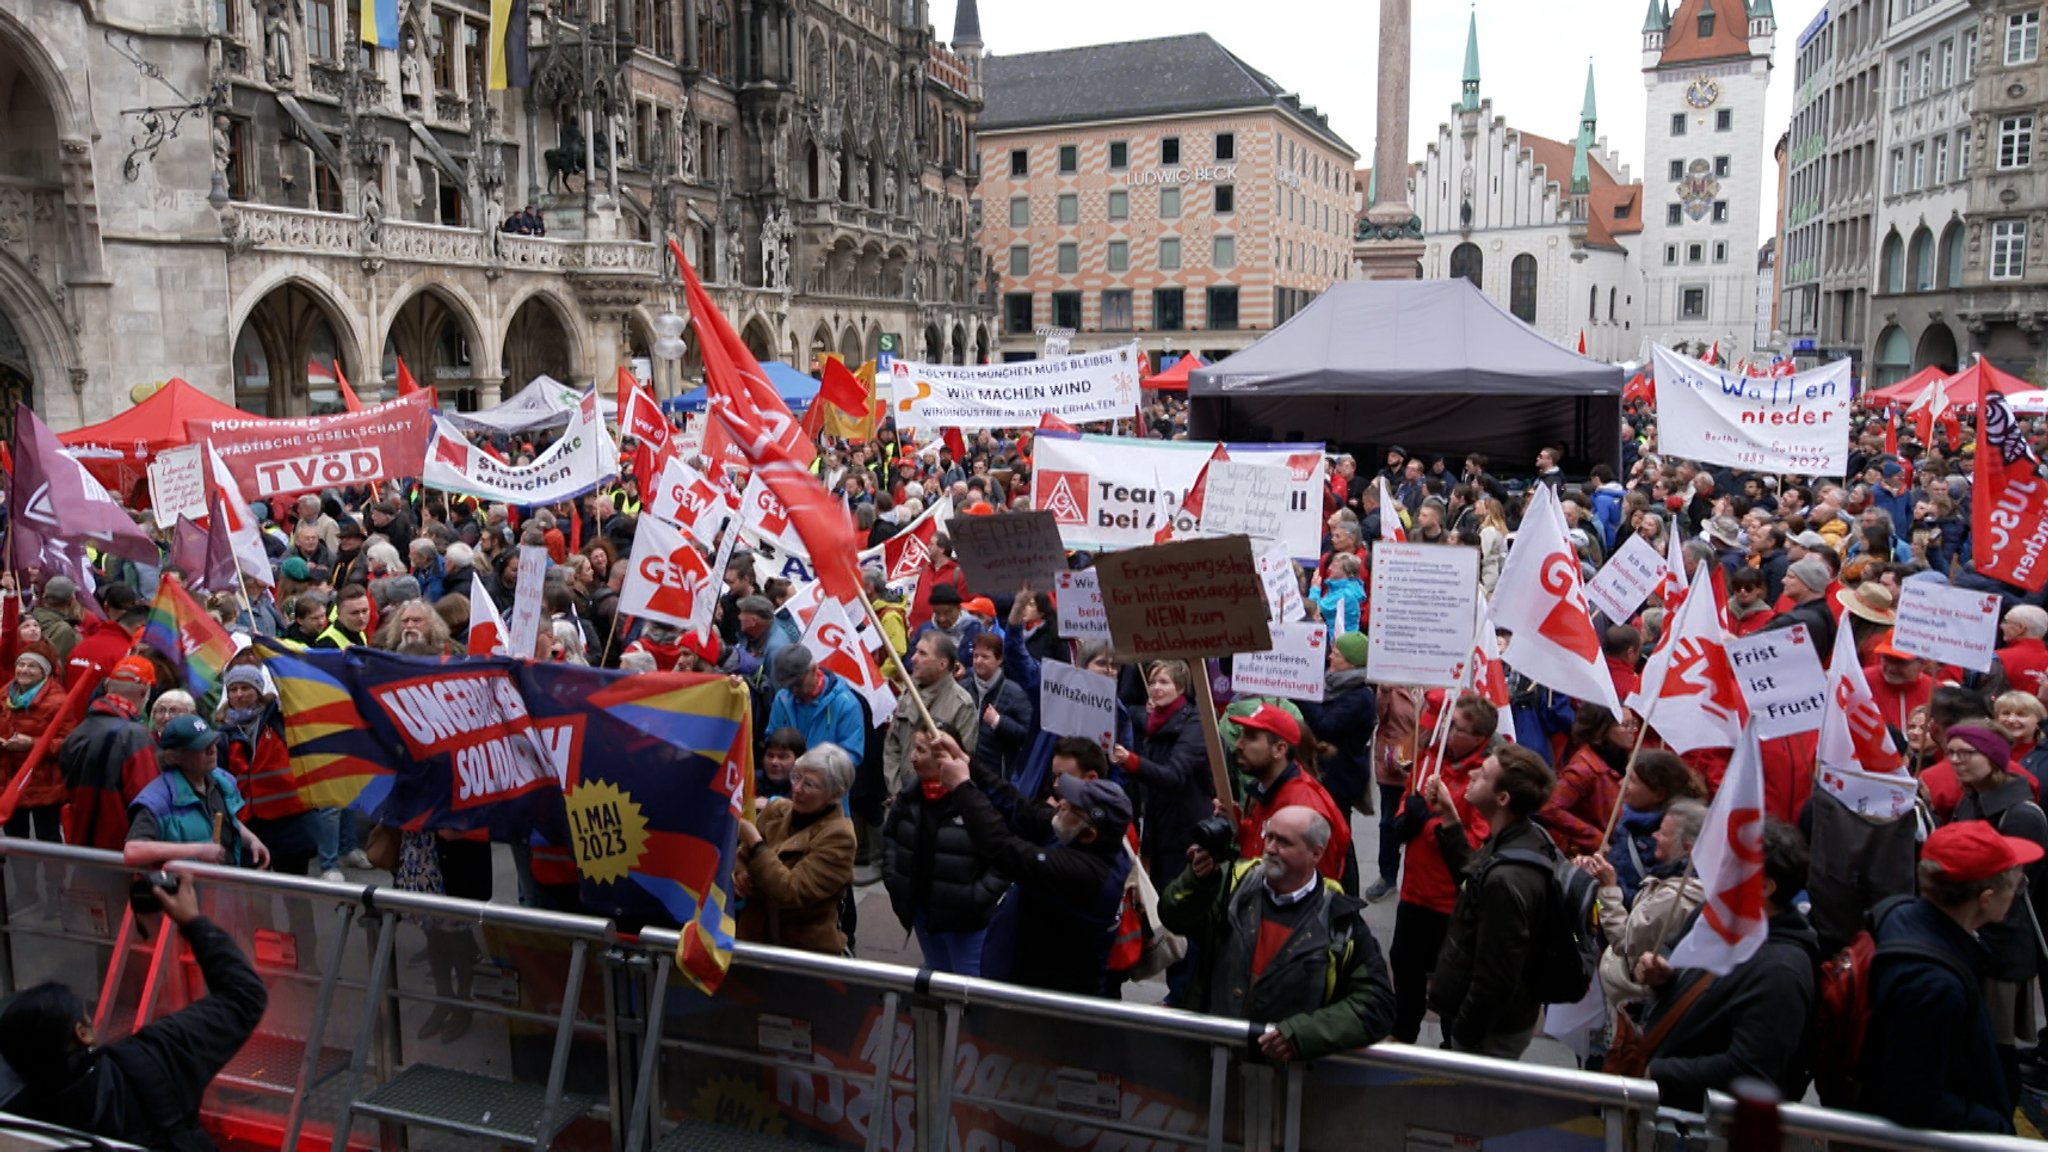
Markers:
1706,65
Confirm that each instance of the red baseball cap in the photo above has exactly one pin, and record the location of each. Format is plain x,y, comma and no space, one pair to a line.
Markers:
1968,851
1274,719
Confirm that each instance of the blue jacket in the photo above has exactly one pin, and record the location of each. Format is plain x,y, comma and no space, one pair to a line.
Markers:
1931,1059
834,717
1607,500
1343,604
432,582
999,749
1345,719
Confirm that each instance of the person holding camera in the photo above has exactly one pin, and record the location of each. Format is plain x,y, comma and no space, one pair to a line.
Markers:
144,1089
1279,943
193,811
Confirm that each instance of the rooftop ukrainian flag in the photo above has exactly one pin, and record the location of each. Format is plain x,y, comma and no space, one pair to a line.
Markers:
187,636
380,23
508,44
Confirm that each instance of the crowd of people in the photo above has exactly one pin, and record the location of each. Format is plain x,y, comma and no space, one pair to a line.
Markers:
1066,864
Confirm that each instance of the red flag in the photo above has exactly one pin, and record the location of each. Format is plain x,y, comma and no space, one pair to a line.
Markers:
1891,433
744,407
2009,509
1191,504
842,389
486,627
348,394
957,443
908,553
640,417
1582,341
1047,422
406,384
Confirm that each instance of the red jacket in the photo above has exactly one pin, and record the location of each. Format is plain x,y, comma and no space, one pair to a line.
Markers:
101,644
2026,664
1624,676
1893,703
265,775
1577,811
1296,788
45,784
1427,879
1788,774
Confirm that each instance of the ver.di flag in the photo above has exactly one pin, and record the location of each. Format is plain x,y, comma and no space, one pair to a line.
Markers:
1539,600
1729,858
2009,507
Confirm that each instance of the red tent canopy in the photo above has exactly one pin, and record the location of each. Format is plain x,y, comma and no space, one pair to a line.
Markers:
1175,379
1966,389
1908,390
118,451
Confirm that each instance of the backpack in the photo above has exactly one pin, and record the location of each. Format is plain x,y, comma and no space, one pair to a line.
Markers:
1565,945
1841,1017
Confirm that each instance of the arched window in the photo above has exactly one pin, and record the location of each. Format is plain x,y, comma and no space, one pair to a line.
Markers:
1611,294
1522,288
1469,263
1706,24
1952,255
1894,357
1920,261
1593,303
1892,264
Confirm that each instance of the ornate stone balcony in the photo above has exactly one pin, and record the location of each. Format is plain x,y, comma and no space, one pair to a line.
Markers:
265,229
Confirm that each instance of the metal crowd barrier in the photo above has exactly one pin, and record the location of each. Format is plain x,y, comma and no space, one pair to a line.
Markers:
401,1019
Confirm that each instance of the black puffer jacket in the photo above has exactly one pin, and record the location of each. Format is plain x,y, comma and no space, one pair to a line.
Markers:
1481,986
1345,720
1173,769
1747,1023
930,864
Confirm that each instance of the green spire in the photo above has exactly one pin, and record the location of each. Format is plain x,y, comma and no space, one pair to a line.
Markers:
1761,10
1587,116
1582,172
1471,100
1658,20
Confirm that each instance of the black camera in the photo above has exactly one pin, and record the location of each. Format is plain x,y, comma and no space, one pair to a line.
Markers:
1217,835
141,891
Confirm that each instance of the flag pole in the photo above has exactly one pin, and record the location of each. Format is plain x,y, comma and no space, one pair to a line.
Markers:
1628,771
924,714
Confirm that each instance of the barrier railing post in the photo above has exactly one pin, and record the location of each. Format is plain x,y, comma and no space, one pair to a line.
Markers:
1258,1106
316,1032
1290,1120
117,971
646,1099
885,1060
558,1065
1219,1096
7,987
617,978
366,1028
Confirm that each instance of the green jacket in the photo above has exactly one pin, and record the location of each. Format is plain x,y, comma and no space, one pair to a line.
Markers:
1333,963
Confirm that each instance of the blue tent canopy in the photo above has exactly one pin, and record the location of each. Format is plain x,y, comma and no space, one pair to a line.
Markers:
796,389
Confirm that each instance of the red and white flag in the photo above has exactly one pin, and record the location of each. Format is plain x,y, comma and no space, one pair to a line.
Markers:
837,647
906,555
1542,603
487,634
1729,858
1858,763
244,534
1390,514
688,497
667,579
1489,677
1932,407
1688,690
2009,504
1190,510
1671,589
642,418
764,515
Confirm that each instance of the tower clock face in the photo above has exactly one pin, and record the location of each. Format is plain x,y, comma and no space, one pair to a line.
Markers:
1702,93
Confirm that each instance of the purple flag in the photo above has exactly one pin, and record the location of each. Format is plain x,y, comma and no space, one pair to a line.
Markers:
207,560
57,506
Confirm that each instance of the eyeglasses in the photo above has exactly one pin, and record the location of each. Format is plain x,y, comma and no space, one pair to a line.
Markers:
1960,751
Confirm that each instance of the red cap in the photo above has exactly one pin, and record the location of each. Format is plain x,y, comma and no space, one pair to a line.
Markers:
1274,719
1968,851
978,508
705,648
981,606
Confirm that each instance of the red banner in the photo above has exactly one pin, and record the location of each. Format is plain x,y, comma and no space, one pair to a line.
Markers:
283,457
2009,513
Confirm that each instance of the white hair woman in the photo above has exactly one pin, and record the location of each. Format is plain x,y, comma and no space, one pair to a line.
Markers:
796,859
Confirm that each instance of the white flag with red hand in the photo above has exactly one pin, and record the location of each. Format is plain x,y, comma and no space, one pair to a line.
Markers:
667,579
1859,764
1489,677
1390,514
838,647
1541,601
1688,690
487,634
1729,858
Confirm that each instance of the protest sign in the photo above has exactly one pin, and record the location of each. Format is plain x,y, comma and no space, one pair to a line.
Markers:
1076,702
1241,499
999,554
1293,669
1781,679
526,599
1091,386
1424,600
177,485
1628,578
1953,626
582,459
1077,597
1110,492
1283,585
281,457
1766,423
1187,599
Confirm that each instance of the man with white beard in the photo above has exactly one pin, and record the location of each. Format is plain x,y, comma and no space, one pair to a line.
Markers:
1267,934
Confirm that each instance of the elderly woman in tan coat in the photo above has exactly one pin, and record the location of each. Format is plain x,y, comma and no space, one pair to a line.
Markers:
796,858
1666,899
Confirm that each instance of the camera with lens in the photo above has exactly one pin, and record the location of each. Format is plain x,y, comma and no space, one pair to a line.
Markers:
141,892
1217,835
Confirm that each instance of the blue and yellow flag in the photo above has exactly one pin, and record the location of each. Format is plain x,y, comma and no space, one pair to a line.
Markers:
380,27
508,44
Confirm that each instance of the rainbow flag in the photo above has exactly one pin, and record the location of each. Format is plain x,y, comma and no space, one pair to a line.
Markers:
187,636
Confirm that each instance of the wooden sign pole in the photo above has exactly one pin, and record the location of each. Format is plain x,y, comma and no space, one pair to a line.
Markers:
1212,738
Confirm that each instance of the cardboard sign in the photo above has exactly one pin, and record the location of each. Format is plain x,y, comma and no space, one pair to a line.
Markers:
1078,599
1781,679
177,485
1766,423
1188,599
1953,626
1424,600
526,599
999,554
1283,585
1076,702
1293,669
1244,499
1630,575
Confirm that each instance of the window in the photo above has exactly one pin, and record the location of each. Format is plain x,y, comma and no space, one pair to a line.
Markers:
2022,37
1948,64
1070,161
1926,69
1969,51
1678,123
1468,262
1119,155
2015,142
1119,205
1226,199
1720,251
1069,260
2008,249
474,62
1721,167
1020,162
1169,151
227,16
1225,252
320,29
1226,146
1952,255
1963,137
1020,212
1522,288
1222,309
1891,264
1612,293
1941,159
1902,83
1674,214
1695,252
1066,309
1169,203
1920,261
1898,171
444,64
1671,253
1720,211
1692,303
1017,314
1020,260
1119,255
1116,310
1677,170
1917,168
1169,254
1724,120
1706,24
1070,208
1169,309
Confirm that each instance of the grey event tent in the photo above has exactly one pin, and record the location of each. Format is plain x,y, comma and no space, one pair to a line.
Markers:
1432,365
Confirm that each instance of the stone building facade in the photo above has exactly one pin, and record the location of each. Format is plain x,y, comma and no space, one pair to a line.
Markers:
239,193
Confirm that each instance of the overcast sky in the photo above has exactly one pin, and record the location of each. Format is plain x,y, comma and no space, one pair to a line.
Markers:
1532,57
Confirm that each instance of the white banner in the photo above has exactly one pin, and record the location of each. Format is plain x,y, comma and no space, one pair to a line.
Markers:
1076,702
1763,423
1078,599
1628,578
1106,492
177,485
1424,600
1781,680
581,460
1088,388
526,599
667,578
1294,668
1953,626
